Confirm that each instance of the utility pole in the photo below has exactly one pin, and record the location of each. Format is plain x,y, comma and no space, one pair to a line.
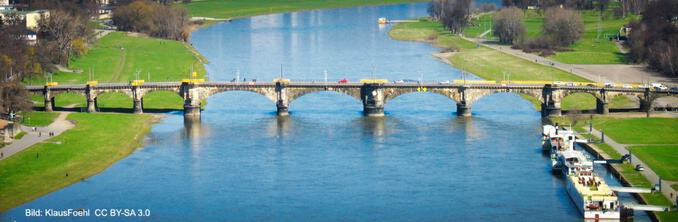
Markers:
325,76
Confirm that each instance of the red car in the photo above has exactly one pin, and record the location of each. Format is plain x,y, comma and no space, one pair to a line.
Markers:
343,81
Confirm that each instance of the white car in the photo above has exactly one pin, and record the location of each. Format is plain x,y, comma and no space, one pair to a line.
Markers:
627,86
609,85
445,82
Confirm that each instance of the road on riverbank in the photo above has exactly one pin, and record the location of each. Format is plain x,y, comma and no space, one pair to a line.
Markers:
32,137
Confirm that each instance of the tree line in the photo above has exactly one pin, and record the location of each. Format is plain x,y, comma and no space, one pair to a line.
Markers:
654,39
63,33
156,19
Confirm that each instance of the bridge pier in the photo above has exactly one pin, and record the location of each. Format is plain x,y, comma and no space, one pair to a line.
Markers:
282,102
463,109
49,100
548,110
91,105
49,104
192,111
282,110
373,99
91,99
138,106
602,107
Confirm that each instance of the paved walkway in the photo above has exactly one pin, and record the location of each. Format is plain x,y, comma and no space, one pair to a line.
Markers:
618,73
31,138
650,175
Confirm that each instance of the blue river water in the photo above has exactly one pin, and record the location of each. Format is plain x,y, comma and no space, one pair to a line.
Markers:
326,162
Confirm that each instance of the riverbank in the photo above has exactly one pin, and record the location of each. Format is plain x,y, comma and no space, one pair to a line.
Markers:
634,130
218,9
491,64
95,143
117,57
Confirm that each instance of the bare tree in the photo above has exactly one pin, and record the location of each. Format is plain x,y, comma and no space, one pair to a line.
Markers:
562,27
655,38
508,25
455,14
152,18
61,28
14,98
574,115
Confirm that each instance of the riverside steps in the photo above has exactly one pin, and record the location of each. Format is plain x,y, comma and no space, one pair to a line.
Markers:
372,94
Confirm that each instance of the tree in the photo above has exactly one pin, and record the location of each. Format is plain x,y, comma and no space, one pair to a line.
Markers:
455,14
14,98
62,28
562,27
655,38
508,25
152,18
487,7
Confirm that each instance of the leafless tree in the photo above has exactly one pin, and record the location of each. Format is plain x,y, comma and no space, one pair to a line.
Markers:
655,38
487,7
574,115
61,28
453,14
14,98
152,18
562,27
508,25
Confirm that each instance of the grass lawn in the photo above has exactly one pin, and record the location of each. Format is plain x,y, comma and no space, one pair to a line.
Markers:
243,8
479,26
639,130
483,62
117,56
661,159
38,118
594,46
163,100
43,168
534,23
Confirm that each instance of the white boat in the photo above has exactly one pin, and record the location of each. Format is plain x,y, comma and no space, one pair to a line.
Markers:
555,141
573,161
592,196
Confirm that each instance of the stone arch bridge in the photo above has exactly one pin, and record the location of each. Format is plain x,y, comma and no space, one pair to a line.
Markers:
373,96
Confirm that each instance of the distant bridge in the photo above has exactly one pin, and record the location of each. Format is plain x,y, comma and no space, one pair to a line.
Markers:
373,96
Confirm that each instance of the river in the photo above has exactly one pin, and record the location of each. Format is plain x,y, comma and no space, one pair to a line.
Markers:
326,162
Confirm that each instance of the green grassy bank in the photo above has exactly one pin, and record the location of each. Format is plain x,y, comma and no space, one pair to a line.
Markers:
661,158
243,8
38,118
96,142
116,58
594,46
492,64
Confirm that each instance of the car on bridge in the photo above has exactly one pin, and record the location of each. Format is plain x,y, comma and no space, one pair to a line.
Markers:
343,81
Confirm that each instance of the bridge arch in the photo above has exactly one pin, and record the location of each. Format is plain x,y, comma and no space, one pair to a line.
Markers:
206,93
114,100
69,99
295,93
669,99
474,95
579,101
162,100
524,100
452,94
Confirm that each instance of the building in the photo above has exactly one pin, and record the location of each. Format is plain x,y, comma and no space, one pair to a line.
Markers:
31,18
8,130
